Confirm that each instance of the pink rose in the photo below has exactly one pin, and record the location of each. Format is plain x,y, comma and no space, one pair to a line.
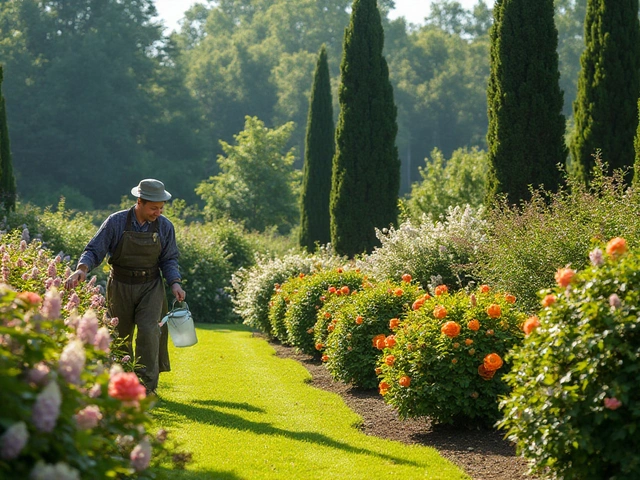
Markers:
126,386
612,403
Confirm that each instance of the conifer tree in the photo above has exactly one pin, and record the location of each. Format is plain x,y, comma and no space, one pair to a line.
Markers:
526,125
319,151
7,179
606,107
366,166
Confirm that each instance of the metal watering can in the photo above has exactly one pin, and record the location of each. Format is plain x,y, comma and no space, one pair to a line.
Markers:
181,328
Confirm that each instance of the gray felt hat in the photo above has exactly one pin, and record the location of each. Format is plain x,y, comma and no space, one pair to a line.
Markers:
152,190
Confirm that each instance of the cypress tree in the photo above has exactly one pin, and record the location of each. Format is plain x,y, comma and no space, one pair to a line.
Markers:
319,151
526,125
606,106
7,179
366,167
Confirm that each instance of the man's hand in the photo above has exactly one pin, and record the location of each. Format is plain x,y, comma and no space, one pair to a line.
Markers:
80,275
178,292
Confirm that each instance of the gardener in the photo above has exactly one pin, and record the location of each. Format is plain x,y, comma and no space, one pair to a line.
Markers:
140,244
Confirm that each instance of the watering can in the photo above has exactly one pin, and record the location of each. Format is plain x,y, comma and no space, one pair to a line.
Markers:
181,328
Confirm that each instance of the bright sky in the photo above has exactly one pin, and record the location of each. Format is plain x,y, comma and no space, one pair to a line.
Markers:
413,10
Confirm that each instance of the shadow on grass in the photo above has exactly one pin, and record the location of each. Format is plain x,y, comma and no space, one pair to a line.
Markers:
170,413
166,473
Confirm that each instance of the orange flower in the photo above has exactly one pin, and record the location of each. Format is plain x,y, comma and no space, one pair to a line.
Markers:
406,278
345,290
390,360
441,290
451,329
404,381
474,325
126,386
383,387
456,344
359,320
616,247
390,341
339,270
426,296
301,275
29,297
494,310
319,346
492,362
394,323
375,339
530,324
417,304
472,351
331,327
548,300
490,332
331,289
484,288
564,276
484,373
468,341
327,315
380,343
398,292
509,298
378,370
439,312
325,358
454,360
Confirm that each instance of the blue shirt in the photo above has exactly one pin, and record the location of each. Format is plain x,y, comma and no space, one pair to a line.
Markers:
105,241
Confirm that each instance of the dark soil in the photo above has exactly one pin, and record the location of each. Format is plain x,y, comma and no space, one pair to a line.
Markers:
483,453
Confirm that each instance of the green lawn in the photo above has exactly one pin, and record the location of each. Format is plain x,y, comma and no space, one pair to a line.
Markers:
246,414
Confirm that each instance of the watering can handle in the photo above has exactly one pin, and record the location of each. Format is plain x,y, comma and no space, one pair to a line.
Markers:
173,306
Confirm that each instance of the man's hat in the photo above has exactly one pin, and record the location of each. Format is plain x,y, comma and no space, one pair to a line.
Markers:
152,190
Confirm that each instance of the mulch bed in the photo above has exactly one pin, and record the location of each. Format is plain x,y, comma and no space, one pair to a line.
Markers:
482,453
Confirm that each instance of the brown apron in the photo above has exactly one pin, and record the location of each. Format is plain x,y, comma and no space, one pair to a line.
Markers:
136,295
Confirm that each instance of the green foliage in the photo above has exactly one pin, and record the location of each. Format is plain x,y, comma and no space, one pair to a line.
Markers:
278,306
606,108
7,179
366,167
351,355
458,181
305,299
445,249
446,382
127,112
253,287
318,152
573,410
525,246
526,125
257,184
48,353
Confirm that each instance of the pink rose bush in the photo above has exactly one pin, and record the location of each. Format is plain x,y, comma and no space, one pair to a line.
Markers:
58,379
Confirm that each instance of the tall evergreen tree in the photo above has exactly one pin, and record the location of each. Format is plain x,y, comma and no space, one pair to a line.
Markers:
606,108
526,125
318,156
7,179
366,167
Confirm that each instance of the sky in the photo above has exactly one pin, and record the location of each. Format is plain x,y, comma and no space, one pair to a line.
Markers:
413,10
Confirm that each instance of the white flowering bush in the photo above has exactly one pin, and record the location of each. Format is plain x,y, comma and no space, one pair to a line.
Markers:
68,410
573,410
253,287
444,249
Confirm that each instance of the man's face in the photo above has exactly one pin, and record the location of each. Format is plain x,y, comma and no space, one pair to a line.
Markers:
149,211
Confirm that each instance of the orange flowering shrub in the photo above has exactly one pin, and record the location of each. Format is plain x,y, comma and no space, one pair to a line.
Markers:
299,301
578,373
354,348
455,364
563,276
530,324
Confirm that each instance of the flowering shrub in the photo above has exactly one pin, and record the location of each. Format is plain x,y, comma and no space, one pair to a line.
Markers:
447,360
430,249
306,300
362,326
253,287
67,411
573,410
279,304
526,244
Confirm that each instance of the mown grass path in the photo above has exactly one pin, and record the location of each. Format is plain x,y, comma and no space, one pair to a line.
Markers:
246,414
